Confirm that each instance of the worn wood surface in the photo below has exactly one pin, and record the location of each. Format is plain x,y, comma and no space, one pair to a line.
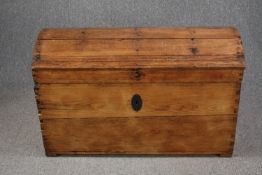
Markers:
131,33
138,47
142,47
189,79
65,76
114,100
151,135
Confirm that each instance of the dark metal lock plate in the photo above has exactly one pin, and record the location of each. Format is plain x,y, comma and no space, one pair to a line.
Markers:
136,102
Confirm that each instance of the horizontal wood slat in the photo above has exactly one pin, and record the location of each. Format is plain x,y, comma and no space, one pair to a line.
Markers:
114,100
137,76
139,47
133,62
162,32
152,135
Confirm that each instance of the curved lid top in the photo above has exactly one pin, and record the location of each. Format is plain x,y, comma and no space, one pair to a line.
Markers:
98,48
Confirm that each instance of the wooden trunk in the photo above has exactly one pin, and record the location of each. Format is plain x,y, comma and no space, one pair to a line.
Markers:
138,90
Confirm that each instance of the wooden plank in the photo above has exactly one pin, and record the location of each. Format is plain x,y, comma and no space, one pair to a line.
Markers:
139,47
137,75
118,33
127,62
152,135
135,58
114,100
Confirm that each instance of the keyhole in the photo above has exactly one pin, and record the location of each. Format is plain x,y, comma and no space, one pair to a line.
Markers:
136,102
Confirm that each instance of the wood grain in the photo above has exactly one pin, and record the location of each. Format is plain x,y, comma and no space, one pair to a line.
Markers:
139,47
118,33
114,100
134,62
93,76
187,47
152,135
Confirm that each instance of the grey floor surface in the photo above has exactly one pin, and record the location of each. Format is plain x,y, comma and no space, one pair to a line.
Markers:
21,149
